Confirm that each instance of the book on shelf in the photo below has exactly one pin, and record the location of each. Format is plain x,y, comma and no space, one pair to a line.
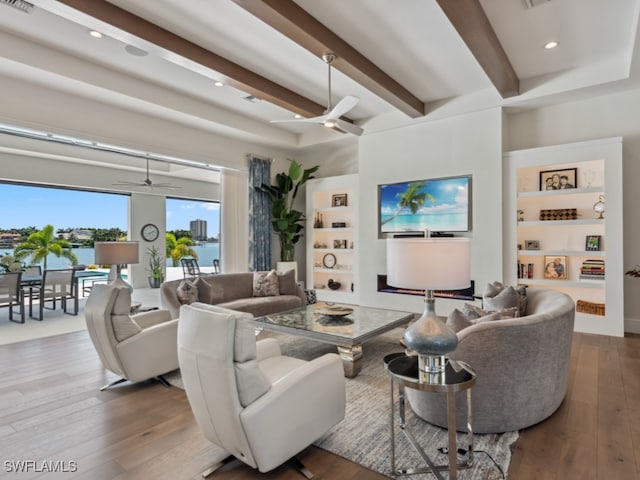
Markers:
525,270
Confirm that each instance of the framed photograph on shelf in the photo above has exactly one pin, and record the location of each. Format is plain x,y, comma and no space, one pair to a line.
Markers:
339,200
531,245
559,179
339,244
555,267
593,243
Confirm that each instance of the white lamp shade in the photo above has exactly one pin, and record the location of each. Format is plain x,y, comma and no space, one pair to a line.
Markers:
429,263
116,253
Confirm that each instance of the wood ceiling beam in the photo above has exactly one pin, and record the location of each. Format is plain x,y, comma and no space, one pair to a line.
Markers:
472,24
294,22
235,75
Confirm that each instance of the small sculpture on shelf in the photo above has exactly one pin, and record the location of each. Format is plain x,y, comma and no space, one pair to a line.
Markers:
317,221
334,285
521,215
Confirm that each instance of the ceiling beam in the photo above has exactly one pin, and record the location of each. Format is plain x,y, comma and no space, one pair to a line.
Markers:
294,22
472,24
235,75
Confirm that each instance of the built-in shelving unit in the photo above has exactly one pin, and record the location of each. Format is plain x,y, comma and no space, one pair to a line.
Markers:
331,233
535,245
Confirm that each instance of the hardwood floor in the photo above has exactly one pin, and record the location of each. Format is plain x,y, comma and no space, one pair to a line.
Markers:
51,409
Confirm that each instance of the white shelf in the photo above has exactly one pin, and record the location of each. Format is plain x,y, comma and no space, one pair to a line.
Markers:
341,229
332,209
336,271
562,283
560,223
573,253
551,193
319,194
603,160
334,250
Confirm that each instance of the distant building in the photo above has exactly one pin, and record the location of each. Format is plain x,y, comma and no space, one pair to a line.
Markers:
198,230
10,240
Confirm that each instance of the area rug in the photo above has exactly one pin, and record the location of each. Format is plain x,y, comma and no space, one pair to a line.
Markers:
363,436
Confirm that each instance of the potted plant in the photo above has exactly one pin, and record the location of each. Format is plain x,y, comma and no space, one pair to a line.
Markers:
287,222
156,270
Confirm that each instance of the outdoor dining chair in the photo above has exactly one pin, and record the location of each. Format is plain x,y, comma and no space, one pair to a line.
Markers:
56,285
216,265
190,267
11,293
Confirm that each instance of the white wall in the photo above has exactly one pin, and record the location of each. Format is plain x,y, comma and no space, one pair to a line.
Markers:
468,144
143,209
605,116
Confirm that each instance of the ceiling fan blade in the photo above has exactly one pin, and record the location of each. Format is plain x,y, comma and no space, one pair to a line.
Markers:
343,106
348,127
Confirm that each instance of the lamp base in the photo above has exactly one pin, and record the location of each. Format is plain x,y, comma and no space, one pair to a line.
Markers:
116,279
430,338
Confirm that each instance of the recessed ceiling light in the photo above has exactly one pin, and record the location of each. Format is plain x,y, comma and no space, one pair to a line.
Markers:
95,34
218,83
297,115
329,123
550,45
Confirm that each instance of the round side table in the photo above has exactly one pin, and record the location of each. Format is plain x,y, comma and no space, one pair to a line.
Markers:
457,376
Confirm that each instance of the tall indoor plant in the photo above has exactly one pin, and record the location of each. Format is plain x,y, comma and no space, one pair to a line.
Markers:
287,222
155,269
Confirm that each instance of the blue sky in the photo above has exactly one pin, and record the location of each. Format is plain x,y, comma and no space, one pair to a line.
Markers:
26,206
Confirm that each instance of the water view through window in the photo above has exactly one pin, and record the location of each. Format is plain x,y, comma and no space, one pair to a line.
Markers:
83,216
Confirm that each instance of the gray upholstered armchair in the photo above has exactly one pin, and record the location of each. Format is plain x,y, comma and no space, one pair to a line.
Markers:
522,366
136,348
259,406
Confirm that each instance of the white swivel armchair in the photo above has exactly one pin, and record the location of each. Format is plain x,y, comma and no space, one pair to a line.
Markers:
136,348
259,406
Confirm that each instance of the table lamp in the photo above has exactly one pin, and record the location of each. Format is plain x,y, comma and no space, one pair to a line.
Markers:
429,264
116,254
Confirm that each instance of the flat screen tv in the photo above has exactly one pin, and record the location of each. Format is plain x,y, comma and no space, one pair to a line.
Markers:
442,205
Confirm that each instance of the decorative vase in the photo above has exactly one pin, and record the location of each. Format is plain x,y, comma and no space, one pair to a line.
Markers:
155,282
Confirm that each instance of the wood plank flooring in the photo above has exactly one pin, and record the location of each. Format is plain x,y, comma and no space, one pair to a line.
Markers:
51,409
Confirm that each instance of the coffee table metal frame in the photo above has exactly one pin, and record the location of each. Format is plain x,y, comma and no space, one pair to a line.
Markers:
367,324
403,372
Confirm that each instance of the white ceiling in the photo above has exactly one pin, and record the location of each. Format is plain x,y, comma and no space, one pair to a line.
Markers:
411,40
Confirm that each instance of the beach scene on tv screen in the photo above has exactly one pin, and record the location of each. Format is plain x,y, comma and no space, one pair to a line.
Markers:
437,204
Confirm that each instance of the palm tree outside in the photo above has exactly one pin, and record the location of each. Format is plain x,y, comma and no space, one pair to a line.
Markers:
178,248
43,243
412,198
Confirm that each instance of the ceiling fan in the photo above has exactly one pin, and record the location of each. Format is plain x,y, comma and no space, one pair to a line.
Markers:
147,182
331,117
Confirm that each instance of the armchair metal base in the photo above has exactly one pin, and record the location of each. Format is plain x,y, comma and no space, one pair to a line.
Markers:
159,378
295,462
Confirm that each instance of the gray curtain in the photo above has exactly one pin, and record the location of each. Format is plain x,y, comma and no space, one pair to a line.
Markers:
259,215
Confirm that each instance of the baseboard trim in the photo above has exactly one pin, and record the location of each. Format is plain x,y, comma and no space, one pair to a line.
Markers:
632,325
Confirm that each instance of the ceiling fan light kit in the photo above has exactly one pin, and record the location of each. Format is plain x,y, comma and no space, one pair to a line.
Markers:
331,117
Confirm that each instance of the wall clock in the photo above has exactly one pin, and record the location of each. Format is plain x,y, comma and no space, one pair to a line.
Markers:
329,260
150,232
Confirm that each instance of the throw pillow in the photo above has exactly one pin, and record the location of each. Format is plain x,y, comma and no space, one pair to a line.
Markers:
187,292
457,321
287,283
265,284
498,297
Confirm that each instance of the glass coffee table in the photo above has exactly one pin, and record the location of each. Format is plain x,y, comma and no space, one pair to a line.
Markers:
347,332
